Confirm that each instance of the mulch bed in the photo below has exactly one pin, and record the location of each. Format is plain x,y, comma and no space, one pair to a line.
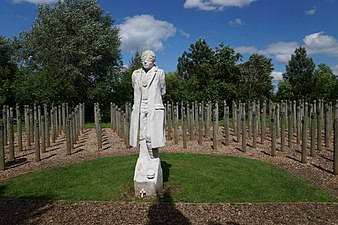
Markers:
318,171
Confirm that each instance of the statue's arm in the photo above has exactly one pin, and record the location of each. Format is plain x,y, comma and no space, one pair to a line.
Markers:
162,82
133,78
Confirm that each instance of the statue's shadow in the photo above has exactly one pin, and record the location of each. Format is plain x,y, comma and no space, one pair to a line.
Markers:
165,170
165,211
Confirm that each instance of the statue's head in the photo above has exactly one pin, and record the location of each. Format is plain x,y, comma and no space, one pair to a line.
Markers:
148,59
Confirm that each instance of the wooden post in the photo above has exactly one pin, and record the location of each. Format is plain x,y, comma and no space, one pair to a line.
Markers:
175,126
313,133
111,116
28,142
195,127
169,121
335,142
304,141
330,125
226,125
63,113
184,127
206,120
243,128
2,147
290,132
99,129
319,125
234,117
263,127
258,117
277,122
270,112
37,141
43,134
273,133
191,124
200,125
47,136
250,119
298,124
238,123
52,124
11,138
18,127
39,118
5,121
215,127
68,137
254,128
282,120
327,126
73,129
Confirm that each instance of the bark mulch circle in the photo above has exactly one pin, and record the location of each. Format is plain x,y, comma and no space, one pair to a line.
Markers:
318,171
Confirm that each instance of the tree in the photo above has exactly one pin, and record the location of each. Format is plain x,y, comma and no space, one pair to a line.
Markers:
176,88
299,73
325,83
209,74
284,91
73,49
7,72
256,78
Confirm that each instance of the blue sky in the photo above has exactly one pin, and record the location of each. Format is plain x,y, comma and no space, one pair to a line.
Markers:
273,28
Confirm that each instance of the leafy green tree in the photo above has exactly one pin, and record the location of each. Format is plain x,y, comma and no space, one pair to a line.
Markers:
299,73
73,50
176,88
7,72
284,91
325,83
256,78
210,74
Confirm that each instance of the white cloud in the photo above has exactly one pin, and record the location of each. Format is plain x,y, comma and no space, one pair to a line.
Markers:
319,43
144,32
335,70
35,1
316,43
184,34
210,5
237,21
246,49
282,51
277,75
310,12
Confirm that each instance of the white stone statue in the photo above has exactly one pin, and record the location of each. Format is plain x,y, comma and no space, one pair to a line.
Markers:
147,124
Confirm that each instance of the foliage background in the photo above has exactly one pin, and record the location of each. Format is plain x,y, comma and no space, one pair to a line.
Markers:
72,54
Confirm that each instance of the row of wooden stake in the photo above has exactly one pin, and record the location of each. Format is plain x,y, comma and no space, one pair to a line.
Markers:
42,127
249,121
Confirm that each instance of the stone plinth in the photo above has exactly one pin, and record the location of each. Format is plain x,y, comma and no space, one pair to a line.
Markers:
148,175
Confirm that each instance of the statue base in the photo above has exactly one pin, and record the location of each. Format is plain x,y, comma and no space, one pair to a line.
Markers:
148,177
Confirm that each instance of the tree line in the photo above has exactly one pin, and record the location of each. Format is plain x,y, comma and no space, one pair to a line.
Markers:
72,54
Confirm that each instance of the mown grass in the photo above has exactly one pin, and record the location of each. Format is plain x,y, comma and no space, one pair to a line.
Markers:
188,178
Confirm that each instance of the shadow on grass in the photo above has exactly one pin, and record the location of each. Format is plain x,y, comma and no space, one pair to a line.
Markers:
165,212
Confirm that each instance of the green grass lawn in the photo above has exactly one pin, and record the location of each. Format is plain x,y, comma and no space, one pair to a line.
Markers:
187,178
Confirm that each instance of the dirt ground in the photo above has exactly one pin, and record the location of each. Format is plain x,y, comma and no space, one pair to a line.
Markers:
318,170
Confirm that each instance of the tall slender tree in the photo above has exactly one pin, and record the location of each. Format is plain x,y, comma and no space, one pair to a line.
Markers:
299,73
256,78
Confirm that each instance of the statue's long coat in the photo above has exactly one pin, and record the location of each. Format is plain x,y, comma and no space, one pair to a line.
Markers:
156,113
